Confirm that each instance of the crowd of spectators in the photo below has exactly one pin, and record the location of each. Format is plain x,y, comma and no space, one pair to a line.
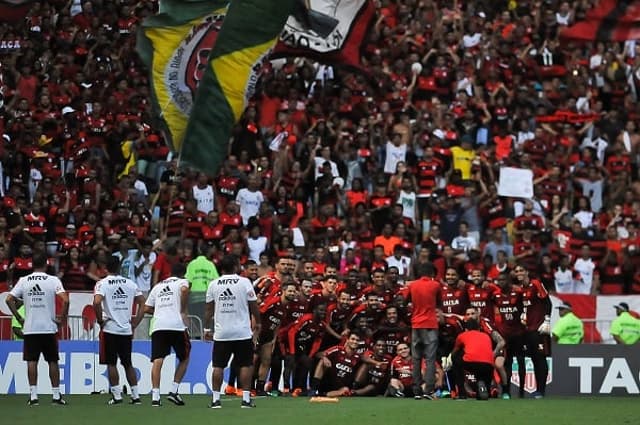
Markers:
389,170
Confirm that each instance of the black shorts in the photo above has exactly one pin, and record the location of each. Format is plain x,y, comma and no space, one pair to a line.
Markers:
537,343
163,341
114,346
514,346
36,344
242,351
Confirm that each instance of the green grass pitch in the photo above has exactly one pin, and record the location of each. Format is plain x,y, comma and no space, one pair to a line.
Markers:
92,410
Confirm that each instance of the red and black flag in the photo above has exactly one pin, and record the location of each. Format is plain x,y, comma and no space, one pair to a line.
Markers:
609,20
13,11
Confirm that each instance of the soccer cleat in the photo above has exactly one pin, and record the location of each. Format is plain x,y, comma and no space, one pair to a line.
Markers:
229,390
445,394
429,396
156,403
261,393
506,396
175,399
59,401
537,395
483,392
296,392
33,402
215,405
113,401
247,404
286,392
135,401
275,393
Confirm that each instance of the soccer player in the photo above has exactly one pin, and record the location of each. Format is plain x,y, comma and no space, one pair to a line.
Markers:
272,311
337,319
473,353
301,344
167,303
113,301
508,306
373,379
269,284
537,313
402,381
454,293
480,294
391,330
38,292
336,370
232,304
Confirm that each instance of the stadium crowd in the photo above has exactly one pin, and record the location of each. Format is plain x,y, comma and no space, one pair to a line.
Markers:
348,186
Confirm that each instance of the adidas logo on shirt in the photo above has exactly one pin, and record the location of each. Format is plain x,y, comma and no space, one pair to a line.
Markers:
36,291
119,293
227,295
166,291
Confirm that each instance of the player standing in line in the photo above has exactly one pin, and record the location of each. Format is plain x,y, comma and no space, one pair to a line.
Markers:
168,303
113,300
508,307
231,303
38,292
537,337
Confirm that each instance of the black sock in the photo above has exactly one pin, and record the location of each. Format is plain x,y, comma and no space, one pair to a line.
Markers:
315,383
260,385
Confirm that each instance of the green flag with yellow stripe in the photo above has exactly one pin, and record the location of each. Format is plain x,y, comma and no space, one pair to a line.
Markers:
175,45
249,33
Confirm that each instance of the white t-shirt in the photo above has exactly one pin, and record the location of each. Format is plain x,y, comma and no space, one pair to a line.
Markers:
118,294
319,162
143,280
403,264
564,281
585,281
204,198
165,299
395,154
249,203
256,247
231,294
408,202
464,243
38,293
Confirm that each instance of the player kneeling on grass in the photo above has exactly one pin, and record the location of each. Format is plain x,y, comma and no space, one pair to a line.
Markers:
113,301
473,353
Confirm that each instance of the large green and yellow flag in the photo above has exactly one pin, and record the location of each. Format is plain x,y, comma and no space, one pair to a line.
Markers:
175,45
249,33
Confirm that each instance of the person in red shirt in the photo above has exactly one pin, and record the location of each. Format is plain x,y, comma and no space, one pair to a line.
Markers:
302,342
424,294
336,370
537,313
508,309
402,367
373,379
473,353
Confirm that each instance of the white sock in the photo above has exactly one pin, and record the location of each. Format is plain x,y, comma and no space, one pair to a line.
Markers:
116,390
246,396
33,390
56,393
216,396
134,391
155,394
174,387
